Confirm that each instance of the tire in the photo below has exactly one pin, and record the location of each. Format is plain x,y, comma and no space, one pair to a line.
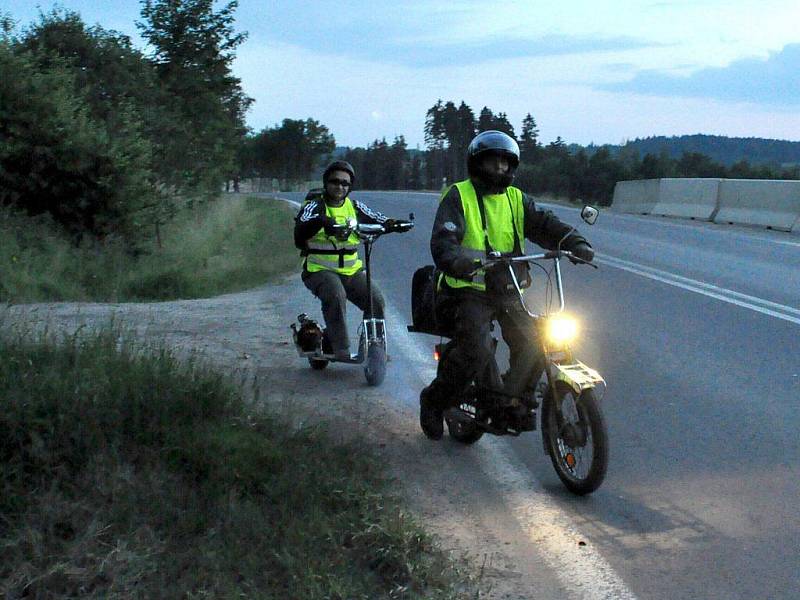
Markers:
317,363
576,438
375,368
463,431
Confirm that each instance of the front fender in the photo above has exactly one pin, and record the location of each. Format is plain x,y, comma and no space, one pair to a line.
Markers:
577,375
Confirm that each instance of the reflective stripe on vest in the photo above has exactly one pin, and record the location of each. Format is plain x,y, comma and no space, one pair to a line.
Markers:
326,253
500,223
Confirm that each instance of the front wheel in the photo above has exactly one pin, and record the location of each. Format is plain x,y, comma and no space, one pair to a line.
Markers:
575,437
375,369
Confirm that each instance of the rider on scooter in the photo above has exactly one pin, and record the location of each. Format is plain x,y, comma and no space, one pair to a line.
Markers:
332,269
481,214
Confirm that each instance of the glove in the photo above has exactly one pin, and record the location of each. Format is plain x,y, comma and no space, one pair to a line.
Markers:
463,267
327,225
394,224
583,251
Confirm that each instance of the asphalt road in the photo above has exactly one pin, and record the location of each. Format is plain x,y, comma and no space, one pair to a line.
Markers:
696,329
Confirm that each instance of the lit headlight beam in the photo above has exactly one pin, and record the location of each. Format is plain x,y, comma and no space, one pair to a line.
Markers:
561,329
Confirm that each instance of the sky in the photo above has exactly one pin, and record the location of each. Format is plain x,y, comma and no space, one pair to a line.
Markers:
588,71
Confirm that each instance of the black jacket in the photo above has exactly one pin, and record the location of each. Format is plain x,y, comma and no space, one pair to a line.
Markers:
541,227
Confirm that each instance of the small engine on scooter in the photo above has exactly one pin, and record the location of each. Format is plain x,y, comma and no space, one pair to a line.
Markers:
309,335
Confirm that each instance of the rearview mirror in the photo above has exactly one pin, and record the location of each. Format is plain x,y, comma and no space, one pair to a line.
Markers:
589,214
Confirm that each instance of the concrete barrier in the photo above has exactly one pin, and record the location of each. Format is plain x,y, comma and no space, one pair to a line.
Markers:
690,198
637,196
768,203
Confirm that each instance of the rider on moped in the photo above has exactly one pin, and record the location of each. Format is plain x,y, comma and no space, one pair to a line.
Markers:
332,269
479,215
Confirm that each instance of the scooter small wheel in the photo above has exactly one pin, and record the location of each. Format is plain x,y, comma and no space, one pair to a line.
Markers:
318,363
375,369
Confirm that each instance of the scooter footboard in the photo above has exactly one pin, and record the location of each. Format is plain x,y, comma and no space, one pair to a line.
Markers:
578,376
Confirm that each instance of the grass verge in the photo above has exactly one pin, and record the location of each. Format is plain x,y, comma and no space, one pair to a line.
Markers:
234,243
126,473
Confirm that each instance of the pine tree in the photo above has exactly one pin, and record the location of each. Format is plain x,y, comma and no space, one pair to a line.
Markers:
529,140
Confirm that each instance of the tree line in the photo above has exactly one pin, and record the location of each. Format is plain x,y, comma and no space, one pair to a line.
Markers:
556,168
108,139
726,150
569,171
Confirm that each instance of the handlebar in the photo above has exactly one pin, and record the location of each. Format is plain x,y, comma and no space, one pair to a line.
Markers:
495,260
555,255
371,229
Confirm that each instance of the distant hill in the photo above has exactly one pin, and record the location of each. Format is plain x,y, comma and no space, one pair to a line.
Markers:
721,149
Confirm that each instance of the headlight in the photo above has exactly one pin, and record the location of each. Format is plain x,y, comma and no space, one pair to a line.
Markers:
561,330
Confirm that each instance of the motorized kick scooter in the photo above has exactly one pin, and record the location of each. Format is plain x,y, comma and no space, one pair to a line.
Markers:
372,348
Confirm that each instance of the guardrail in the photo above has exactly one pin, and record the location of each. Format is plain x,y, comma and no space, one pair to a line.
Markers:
774,204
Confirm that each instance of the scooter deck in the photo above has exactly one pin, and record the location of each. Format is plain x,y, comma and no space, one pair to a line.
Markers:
354,359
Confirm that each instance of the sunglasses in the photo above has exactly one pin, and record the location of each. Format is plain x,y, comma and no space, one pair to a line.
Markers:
341,182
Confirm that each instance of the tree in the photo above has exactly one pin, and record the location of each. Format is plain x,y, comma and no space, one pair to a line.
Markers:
529,140
501,123
694,164
289,151
193,51
656,166
107,70
486,120
56,158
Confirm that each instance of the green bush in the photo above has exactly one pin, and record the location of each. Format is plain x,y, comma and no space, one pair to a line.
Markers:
56,158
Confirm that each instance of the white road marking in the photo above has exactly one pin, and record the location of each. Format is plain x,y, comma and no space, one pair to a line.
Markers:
580,568
578,565
766,307
294,203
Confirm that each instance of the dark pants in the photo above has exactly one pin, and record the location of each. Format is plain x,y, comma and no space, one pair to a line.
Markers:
334,291
470,353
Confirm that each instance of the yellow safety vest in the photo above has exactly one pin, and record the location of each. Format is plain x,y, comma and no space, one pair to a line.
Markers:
504,212
327,253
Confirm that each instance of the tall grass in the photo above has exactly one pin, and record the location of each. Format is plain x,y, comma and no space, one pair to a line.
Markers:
125,473
228,245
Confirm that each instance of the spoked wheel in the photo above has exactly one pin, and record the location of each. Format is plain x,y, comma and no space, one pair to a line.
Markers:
576,438
317,363
375,368
462,428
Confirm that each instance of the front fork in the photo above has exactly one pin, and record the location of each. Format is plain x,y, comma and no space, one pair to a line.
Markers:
562,366
371,331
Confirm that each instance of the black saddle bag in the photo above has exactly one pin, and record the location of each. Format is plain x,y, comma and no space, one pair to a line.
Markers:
424,300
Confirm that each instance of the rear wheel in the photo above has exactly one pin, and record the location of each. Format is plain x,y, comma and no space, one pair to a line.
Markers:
375,369
575,435
318,363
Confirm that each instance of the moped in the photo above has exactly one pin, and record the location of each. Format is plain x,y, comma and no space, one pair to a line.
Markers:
573,428
309,337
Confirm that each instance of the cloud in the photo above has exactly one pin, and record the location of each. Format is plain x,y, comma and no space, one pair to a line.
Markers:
774,81
384,49
417,35
485,50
